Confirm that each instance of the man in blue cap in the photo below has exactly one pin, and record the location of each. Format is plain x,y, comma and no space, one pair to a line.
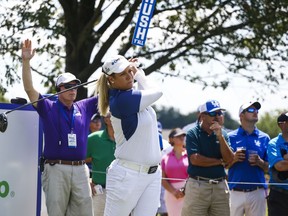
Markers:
208,148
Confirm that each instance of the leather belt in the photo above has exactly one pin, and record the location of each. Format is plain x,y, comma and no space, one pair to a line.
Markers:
247,189
208,180
137,167
65,162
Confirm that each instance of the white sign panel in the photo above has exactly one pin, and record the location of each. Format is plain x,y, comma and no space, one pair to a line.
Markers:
19,152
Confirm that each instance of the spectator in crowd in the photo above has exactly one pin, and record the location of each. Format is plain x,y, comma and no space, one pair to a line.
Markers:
174,172
65,178
95,123
208,149
100,151
249,164
278,169
133,179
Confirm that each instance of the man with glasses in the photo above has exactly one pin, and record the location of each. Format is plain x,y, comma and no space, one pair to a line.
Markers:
208,148
249,164
278,169
65,178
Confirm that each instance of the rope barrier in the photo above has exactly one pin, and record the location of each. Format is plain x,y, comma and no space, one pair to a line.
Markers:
244,183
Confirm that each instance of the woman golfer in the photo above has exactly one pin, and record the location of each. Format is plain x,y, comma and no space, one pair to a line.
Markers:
133,179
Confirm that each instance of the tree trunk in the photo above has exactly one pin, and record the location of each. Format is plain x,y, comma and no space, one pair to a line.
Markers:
79,40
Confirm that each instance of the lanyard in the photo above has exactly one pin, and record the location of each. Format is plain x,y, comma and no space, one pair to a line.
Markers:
62,112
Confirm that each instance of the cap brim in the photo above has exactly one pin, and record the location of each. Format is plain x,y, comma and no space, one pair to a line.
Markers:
179,134
215,109
122,67
256,104
70,80
76,80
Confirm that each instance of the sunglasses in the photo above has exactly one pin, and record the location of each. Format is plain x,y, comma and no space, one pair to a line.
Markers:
213,114
68,85
251,110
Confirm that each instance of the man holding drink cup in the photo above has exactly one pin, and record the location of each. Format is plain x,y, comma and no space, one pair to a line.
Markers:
249,164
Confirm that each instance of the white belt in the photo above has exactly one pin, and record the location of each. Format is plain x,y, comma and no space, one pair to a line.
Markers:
137,167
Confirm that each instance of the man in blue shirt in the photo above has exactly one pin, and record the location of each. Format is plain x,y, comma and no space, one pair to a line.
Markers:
248,199
278,167
208,149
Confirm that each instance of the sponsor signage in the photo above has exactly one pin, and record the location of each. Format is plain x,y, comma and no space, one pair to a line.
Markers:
142,26
20,186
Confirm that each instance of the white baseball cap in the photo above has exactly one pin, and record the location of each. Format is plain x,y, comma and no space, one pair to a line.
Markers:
115,64
66,78
246,105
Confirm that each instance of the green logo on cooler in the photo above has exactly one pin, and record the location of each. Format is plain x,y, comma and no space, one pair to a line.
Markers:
4,189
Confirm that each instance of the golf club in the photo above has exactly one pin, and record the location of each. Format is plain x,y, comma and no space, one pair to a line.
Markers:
3,116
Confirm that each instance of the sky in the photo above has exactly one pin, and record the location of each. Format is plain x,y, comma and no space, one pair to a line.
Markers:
187,96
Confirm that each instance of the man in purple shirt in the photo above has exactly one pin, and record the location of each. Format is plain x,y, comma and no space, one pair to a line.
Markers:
65,178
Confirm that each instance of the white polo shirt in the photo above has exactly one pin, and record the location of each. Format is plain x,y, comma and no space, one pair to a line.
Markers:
135,123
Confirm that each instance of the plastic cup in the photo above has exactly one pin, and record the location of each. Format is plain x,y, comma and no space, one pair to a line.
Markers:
252,156
242,149
252,152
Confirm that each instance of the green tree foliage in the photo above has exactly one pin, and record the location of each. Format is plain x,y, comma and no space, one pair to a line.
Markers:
76,35
3,99
268,123
171,118
229,122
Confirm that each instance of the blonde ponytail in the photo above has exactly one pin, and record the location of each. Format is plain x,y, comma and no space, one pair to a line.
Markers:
103,95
